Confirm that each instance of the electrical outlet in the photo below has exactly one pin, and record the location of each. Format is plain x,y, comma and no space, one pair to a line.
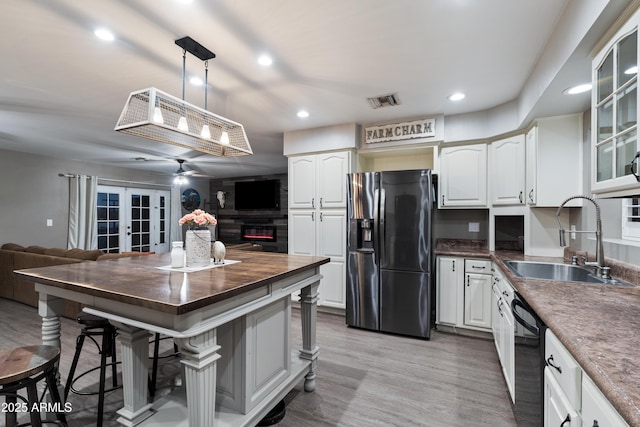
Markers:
49,223
573,232
474,227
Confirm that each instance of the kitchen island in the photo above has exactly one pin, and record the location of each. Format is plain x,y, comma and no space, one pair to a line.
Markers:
231,324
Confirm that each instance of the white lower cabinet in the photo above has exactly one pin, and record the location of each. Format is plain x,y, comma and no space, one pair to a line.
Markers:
449,273
463,293
322,234
571,399
557,408
502,322
596,409
477,293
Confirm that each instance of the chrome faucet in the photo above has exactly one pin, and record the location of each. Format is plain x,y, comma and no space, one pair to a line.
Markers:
599,263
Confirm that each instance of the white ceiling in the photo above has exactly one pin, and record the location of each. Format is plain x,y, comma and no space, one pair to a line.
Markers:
62,89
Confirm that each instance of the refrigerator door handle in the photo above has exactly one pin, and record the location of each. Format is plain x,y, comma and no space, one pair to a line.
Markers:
376,227
381,226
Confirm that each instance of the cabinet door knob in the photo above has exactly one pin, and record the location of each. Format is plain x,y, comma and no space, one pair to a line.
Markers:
313,202
320,201
453,265
520,197
443,200
531,195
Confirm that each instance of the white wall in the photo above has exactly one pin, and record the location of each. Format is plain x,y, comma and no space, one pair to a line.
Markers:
32,192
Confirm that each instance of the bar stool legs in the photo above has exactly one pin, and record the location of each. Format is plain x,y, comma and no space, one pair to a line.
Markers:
95,326
23,368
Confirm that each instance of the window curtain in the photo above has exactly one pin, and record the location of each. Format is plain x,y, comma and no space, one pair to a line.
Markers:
176,213
83,224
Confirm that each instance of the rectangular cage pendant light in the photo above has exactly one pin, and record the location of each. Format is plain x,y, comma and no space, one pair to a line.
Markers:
156,115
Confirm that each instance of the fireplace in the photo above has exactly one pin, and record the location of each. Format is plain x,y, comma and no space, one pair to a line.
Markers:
258,233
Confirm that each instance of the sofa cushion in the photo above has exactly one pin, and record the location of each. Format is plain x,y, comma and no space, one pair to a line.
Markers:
56,252
36,250
84,254
13,247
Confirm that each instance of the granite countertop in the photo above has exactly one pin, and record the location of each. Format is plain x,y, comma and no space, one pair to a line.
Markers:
597,323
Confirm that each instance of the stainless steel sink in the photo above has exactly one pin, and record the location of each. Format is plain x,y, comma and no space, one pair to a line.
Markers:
558,272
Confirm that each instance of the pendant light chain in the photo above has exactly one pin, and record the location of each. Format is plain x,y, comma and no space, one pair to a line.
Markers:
184,66
206,84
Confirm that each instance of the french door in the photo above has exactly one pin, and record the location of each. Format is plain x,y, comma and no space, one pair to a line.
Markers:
133,219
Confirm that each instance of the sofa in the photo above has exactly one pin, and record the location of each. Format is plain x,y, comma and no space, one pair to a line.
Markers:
17,257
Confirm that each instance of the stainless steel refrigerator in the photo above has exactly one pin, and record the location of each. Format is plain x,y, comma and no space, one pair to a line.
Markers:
389,251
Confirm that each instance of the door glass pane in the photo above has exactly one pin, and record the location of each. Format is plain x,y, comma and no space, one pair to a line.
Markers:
605,121
605,161
626,111
625,152
627,61
108,213
605,78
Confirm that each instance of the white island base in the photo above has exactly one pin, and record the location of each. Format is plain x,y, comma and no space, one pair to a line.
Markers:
171,410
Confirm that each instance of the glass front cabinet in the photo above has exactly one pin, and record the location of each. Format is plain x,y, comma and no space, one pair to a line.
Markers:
615,115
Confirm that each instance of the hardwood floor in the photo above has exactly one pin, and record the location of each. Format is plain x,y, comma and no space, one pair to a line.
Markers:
363,378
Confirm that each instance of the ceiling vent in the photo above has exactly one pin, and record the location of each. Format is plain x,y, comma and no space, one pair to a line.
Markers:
388,100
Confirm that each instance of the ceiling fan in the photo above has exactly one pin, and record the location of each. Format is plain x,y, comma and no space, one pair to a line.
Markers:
181,174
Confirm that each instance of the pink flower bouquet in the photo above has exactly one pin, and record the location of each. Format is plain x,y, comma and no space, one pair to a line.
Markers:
198,219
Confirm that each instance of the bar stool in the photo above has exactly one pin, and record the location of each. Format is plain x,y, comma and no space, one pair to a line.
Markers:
154,365
24,367
95,326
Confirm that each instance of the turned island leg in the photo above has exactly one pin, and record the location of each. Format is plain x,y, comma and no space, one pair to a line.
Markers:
49,308
199,358
309,314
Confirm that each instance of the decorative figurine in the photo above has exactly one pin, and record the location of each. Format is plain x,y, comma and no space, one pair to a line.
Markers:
219,251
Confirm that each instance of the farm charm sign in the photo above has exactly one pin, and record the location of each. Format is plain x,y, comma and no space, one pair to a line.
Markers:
395,132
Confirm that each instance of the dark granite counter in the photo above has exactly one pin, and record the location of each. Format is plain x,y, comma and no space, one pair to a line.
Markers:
597,323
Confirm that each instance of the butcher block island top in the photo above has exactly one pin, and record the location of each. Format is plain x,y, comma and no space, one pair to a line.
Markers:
140,281
233,318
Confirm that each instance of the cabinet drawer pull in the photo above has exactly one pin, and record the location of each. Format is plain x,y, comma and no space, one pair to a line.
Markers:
531,195
595,423
478,267
453,265
566,420
443,200
550,363
520,197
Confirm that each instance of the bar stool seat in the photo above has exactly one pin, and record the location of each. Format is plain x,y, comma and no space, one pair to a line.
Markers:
24,367
95,326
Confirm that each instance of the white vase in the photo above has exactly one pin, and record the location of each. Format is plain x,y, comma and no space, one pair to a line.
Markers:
198,248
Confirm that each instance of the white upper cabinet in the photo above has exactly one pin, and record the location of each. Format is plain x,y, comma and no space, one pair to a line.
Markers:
614,106
302,182
332,169
554,160
463,176
507,170
319,180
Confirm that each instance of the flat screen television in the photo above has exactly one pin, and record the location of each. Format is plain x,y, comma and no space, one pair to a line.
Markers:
258,195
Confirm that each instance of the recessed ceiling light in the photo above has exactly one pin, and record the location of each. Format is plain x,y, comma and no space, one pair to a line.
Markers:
586,87
196,81
104,34
456,96
185,1
303,114
265,60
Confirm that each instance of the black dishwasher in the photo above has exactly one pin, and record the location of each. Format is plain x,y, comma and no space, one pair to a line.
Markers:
529,364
